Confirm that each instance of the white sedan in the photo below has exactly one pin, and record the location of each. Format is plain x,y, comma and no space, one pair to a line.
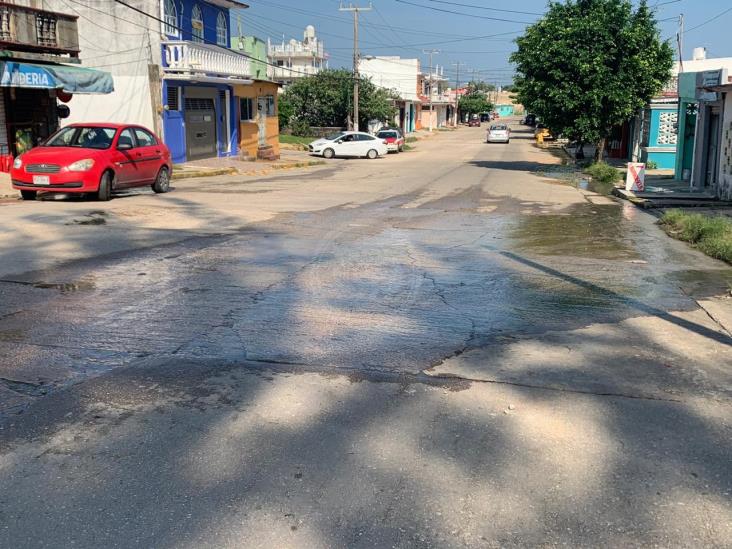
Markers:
356,144
498,133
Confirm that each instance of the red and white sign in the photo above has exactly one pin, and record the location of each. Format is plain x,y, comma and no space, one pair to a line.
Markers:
636,178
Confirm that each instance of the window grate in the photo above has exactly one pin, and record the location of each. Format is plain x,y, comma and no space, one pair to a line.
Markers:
199,104
173,98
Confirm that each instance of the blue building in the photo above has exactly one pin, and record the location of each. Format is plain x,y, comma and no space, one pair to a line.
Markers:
657,126
199,71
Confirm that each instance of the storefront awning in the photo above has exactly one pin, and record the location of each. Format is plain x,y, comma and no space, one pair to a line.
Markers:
55,77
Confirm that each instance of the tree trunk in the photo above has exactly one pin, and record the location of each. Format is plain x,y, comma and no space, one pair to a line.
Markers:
600,152
579,154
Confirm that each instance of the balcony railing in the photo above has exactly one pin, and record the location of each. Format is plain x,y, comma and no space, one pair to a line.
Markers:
40,31
191,57
296,50
294,72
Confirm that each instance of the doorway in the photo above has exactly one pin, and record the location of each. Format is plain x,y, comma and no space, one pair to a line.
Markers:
200,119
711,162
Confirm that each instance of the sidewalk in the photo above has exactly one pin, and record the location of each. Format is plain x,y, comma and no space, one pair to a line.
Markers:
6,191
289,159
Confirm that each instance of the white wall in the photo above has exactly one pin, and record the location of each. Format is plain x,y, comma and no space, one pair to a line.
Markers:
706,65
129,103
117,40
393,73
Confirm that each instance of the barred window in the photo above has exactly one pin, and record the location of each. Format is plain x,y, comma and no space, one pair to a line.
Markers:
221,34
170,16
197,24
246,107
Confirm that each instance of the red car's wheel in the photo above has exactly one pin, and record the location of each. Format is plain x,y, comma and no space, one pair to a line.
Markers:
104,192
162,181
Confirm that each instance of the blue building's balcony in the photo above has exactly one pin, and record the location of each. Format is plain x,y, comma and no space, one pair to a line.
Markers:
182,57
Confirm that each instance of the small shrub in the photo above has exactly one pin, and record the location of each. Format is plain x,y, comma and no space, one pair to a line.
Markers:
604,172
411,139
711,234
651,165
300,128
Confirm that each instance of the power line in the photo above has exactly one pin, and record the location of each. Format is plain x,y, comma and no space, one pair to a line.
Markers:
489,9
453,12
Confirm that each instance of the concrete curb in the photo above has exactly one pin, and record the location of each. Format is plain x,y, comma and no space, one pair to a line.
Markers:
190,174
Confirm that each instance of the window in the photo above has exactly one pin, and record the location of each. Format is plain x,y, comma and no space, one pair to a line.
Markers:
364,137
170,16
88,137
221,34
246,106
126,139
270,109
173,98
197,24
144,138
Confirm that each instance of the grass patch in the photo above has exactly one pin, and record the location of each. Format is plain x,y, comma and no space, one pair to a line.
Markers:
603,172
408,148
411,139
710,234
296,140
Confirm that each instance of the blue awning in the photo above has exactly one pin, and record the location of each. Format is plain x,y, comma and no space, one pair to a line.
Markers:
55,77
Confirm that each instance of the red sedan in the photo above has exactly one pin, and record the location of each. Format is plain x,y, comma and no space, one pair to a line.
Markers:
94,158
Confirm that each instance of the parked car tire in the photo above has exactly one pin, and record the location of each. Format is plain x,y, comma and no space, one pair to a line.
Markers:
28,195
328,153
372,154
162,181
105,187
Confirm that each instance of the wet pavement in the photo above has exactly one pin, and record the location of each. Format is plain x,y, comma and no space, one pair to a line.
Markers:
424,291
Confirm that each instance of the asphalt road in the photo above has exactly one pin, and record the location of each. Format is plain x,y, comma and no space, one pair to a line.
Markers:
443,348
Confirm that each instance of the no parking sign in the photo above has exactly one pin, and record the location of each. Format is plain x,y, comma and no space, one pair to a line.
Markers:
636,178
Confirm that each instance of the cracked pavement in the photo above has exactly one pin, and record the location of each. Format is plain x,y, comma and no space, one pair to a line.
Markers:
443,348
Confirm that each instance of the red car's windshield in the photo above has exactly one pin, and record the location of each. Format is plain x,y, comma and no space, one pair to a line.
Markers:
85,137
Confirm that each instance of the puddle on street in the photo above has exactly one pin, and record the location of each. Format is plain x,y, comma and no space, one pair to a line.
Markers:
700,284
598,187
66,287
591,231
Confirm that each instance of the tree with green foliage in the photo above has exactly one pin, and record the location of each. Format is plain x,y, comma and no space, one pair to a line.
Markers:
590,65
475,85
474,102
326,100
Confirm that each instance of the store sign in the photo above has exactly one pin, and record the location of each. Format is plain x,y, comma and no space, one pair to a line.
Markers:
17,75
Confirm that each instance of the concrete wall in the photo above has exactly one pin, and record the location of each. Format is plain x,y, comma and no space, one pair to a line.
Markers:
115,39
394,73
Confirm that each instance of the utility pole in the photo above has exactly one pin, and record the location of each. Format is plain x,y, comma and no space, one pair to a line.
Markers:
680,42
356,57
431,53
457,91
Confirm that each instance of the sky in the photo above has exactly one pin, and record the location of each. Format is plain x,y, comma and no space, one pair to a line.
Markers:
407,27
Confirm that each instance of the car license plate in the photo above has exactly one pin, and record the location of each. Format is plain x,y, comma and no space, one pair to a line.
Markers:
41,180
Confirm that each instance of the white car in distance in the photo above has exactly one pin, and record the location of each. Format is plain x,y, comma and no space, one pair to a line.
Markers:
498,133
349,144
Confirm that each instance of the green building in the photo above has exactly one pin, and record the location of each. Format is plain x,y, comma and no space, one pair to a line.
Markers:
256,48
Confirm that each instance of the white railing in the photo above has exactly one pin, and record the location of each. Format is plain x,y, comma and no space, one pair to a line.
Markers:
296,50
192,57
294,72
